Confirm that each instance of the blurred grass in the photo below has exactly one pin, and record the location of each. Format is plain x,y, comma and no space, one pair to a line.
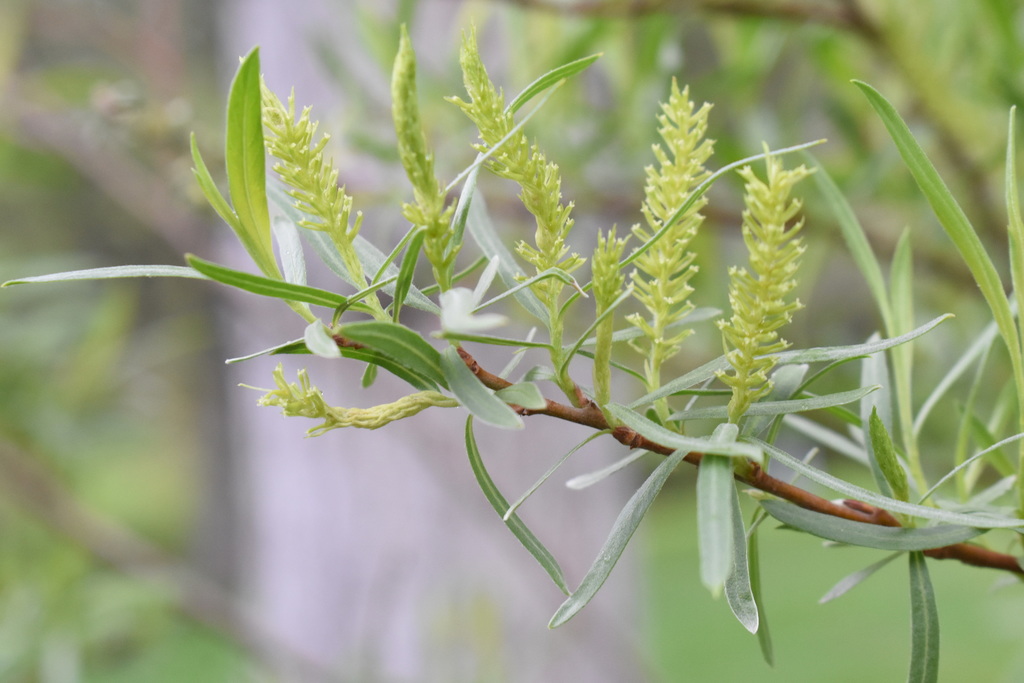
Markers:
861,636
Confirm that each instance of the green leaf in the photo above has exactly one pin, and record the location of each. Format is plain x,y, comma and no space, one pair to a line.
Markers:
555,273
585,480
320,342
632,332
399,343
547,475
209,188
370,256
500,505
978,349
670,439
486,237
851,581
834,353
738,590
395,367
245,157
265,286
955,223
549,79
683,382
474,396
461,215
111,272
885,455
714,515
525,394
295,346
828,437
770,408
982,521
494,341
967,462
622,530
764,634
867,535
856,239
875,370
924,624
289,246
405,273
1015,226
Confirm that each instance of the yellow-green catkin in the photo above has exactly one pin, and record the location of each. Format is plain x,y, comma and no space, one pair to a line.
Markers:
429,211
313,181
608,281
305,400
525,164
664,270
759,297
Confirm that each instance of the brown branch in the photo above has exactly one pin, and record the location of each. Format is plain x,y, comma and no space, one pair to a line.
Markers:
591,416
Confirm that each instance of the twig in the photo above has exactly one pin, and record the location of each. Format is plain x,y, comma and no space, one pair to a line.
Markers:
591,416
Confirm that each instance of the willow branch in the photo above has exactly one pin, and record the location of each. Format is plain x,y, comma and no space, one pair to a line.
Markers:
590,415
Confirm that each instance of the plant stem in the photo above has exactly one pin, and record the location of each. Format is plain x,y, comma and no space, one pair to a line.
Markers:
587,413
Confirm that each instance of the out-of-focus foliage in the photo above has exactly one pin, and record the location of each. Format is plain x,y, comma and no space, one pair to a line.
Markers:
94,170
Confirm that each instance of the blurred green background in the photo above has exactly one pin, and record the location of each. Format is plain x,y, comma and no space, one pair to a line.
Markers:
115,542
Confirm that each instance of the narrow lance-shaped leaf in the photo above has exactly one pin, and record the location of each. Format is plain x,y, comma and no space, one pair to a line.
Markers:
867,535
979,520
764,634
773,408
405,273
245,158
111,272
265,286
669,439
525,394
547,475
550,79
400,343
924,624
855,579
875,370
714,514
500,505
856,239
626,523
955,223
480,227
885,455
591,478
370,256
738,590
